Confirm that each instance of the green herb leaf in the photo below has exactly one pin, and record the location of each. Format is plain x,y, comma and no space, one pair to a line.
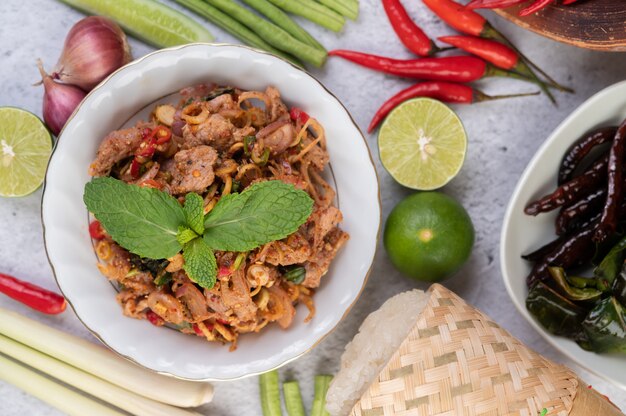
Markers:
144,221
264,212
200,263
185,235
194,212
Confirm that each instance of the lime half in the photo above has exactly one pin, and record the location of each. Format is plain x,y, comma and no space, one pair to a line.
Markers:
25,147
422,144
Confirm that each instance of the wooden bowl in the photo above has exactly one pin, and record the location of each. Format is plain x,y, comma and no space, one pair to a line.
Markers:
591,24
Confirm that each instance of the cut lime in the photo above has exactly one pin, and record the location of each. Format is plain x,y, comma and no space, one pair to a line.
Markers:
25,147
422,144
149,20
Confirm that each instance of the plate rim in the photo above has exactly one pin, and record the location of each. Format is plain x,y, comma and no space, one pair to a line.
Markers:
371,164
507,279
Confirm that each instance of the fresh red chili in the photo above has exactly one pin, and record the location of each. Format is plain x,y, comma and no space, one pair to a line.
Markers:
152,138
566,2
224,271
154,319
95,230
411,35
444,91
457,16
31,295
492,4
162,134
535,7
491,51
449,68
297,114
135,168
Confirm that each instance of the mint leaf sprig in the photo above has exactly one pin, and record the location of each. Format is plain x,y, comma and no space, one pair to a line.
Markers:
151,223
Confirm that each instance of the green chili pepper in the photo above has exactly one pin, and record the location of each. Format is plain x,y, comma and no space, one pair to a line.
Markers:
571,292
295,274
236,186
248,141
163,279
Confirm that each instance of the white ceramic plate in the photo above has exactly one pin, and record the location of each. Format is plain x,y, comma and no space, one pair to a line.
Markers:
522,233
64,215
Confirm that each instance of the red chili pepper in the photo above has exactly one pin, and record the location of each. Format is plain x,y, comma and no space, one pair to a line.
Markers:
460,18
469,22
566,2
31,295
135,168
199,332
449,68
297,114
95,230
151,183
224,271
535,7
154,319
162,134
411,35
491,51
492,4
444,91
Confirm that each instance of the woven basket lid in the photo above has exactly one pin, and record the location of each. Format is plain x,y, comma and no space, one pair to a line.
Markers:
457,361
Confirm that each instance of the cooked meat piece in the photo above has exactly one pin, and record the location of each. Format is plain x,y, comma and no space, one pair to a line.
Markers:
215,302
217,132
195,302
116,146
318,265
317,157
140,284
288,311
132,306
320,223
118,265
221,103
193,171
197,91
236,295
167,307
276,108
292,250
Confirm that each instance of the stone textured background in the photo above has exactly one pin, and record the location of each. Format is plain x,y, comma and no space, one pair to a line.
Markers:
503,136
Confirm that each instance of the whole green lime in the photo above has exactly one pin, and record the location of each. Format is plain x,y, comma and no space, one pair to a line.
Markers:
428,236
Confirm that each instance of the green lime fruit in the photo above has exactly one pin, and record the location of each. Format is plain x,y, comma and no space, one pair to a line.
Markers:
25,147
428,236
422,144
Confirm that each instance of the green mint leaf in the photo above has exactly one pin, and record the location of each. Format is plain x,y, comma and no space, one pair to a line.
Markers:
194,212
200,263
264,212
144,221
185,235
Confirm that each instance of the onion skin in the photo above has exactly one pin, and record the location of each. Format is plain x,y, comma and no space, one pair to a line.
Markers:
93,49
59,101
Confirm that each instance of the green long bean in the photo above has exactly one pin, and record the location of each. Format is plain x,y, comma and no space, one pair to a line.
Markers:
232,26
322,382
282,20
271,33
293,399
343,7
270,394
315,12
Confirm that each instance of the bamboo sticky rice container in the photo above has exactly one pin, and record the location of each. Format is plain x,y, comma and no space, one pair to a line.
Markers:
457,361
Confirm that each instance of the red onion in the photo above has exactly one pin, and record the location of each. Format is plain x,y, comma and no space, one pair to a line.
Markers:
93,49
59,101
270,128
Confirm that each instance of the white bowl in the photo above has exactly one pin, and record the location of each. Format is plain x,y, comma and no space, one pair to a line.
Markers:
522,233
108,107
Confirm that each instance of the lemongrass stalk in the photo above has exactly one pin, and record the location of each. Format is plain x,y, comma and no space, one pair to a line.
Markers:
56,395
95,386
103,363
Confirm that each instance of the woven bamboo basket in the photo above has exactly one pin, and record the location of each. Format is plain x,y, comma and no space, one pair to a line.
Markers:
456,361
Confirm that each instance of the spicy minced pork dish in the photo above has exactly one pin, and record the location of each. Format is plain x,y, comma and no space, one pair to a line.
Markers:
214,142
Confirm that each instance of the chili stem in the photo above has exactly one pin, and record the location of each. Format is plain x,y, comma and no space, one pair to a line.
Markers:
293,399
315,12
492,33
343,7
272,34
56,395
322,383
493,71
270,394
232,26
95,386
282,20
